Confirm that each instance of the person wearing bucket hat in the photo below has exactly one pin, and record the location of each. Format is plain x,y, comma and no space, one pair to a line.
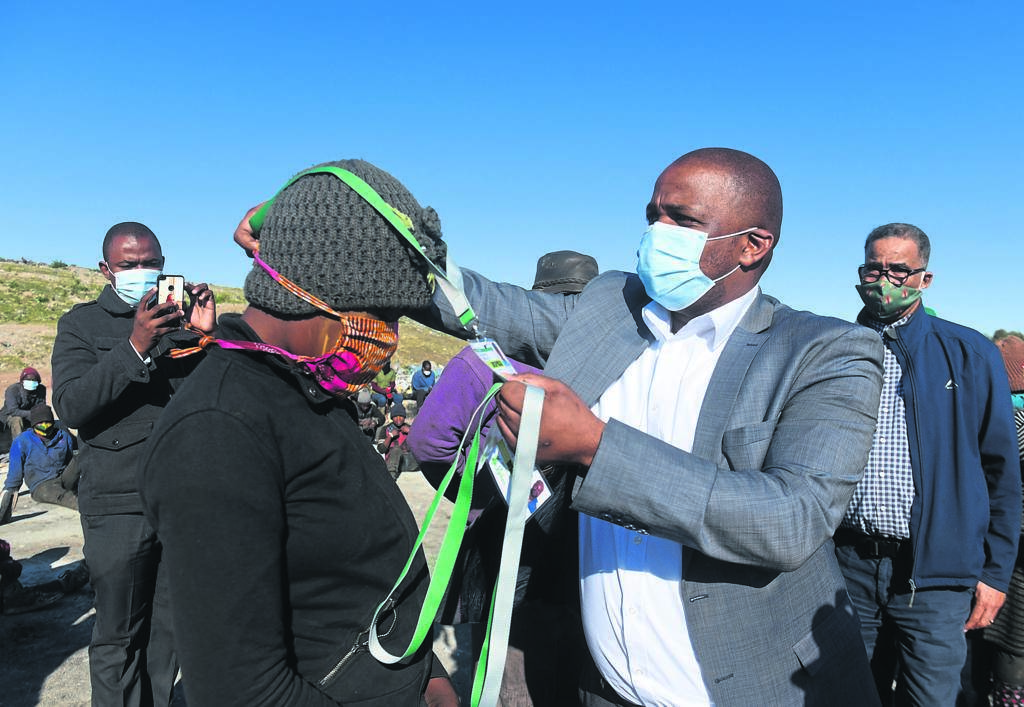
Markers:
279,557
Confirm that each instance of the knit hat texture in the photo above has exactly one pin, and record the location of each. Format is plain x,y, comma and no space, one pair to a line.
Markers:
397,410
324,237
1012,349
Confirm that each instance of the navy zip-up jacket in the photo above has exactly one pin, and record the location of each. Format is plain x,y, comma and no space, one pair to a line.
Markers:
965,518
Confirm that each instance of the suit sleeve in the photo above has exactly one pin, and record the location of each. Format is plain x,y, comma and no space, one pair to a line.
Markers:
783,483
1000,458
195,489
525,323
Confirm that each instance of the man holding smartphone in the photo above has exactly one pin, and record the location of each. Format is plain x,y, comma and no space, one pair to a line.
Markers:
112,377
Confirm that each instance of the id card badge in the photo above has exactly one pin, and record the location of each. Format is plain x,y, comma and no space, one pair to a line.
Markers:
497,456
491,354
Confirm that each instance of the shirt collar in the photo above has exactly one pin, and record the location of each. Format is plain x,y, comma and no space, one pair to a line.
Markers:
715,326
881,326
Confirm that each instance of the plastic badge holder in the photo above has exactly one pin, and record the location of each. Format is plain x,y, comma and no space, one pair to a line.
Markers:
491,354
500,460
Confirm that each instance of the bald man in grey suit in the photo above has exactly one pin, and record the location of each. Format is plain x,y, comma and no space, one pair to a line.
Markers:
715,437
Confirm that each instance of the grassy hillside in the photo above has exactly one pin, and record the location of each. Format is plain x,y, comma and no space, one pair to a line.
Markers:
33,296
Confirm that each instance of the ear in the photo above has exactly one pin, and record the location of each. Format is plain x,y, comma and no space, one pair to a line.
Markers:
926,280
105,271
756,248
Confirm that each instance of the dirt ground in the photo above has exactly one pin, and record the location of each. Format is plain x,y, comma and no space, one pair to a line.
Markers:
44,654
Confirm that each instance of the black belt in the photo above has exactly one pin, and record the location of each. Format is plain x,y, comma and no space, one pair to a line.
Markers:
871,547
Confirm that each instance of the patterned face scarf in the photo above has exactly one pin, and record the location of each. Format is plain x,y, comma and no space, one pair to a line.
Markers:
363,346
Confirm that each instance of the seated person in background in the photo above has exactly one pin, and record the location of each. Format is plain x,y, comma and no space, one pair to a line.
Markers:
391,443
14,597
385,391
20,398
370,418
422,382
43,456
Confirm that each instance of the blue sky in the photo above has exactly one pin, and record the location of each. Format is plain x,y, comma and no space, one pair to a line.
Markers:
530,127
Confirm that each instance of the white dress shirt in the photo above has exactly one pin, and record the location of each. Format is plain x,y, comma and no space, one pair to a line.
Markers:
630,583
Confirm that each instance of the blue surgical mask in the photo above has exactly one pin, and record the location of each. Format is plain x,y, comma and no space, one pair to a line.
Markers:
131,285
668,263
30,384
1018,400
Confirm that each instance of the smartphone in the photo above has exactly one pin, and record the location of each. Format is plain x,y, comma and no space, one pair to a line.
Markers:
170,287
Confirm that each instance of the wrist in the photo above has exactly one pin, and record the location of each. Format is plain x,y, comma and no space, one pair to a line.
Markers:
593,440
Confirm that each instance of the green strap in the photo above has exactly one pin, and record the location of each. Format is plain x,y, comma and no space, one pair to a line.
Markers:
500,620
441,576
491,666
455,295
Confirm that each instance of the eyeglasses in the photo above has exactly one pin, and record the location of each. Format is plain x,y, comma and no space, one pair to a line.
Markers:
897,275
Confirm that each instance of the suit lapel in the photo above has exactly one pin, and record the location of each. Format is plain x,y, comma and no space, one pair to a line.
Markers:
594,351
727,379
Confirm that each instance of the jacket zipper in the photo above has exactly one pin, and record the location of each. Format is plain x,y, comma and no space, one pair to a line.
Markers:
362,640
909,372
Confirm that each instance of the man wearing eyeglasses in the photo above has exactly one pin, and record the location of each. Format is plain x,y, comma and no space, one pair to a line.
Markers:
929,539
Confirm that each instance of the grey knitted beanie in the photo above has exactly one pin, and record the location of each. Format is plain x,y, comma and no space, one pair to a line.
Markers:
328,240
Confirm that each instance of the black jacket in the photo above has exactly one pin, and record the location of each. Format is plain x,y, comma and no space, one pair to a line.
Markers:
282,531
102,388
19,402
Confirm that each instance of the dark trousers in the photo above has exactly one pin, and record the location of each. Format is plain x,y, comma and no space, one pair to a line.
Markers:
61,490
419,396
17,425
916,638
131,657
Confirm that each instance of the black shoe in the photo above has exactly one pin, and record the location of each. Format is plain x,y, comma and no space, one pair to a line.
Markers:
74,578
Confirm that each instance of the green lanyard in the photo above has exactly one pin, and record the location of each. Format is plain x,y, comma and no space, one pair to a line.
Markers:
488,674
402,224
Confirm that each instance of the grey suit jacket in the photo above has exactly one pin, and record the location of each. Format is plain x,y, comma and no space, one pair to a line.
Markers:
782,438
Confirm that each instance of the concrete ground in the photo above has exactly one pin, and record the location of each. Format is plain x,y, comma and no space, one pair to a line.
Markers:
44,654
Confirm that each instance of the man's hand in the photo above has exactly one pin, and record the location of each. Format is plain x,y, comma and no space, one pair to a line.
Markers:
569,432
202,308
440,693
151,324
987,602
243,233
